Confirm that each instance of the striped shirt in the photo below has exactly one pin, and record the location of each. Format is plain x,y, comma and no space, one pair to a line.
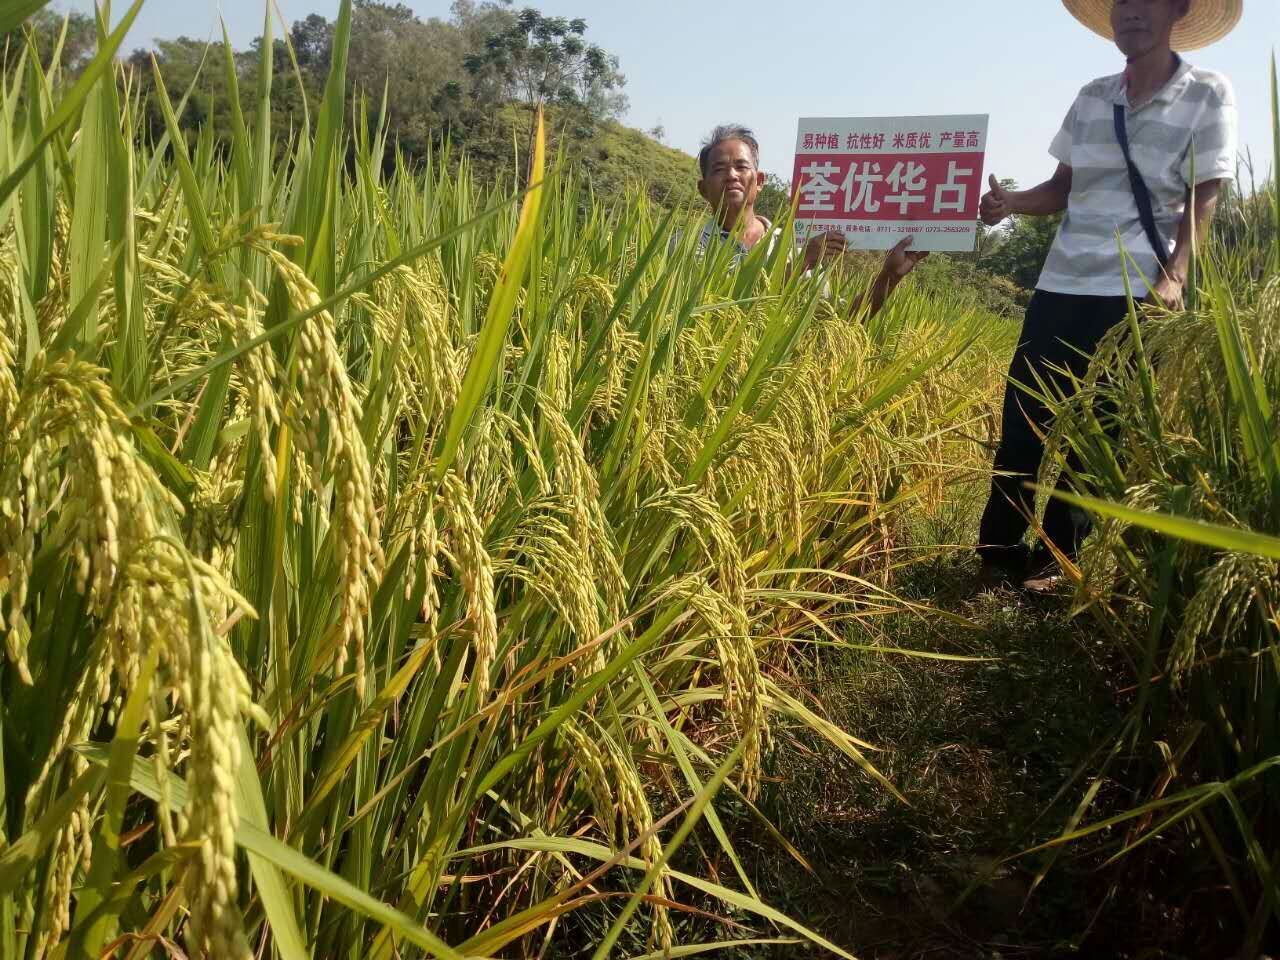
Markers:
713,231
1195,106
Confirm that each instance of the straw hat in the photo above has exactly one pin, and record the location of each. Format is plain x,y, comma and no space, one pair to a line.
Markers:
1207,22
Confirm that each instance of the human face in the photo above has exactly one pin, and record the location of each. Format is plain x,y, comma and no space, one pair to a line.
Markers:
1142,26
732,181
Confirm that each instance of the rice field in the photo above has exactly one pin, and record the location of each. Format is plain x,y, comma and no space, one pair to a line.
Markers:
388,571
395,566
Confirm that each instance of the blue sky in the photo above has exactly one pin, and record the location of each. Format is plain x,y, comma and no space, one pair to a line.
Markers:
692,65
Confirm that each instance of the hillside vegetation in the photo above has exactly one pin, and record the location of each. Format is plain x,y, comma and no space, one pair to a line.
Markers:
466,84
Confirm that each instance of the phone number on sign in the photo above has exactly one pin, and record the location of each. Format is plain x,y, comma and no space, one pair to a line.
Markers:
817,227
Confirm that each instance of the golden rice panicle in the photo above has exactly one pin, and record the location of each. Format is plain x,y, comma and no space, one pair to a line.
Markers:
667,443
593,296
617,795
592,765
173,598
261,379
139,579
215,765
723,610
412,319
475,571
240,323
590,528
74,838
430,322
418,533
321,394
430,534
619,358
1224,594
91,691
214,500
8,384
72,852
17,529
638,822
543,553
523,433
740,669
703,520
162,761
491,464
804,412
11,274
486,266
763,470
70,430
556,381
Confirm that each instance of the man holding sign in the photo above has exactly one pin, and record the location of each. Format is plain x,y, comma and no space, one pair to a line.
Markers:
730,182
1139,155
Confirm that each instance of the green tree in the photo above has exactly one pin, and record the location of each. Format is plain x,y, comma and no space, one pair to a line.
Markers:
540,59
1017,250
774,199
469,79
45,27
187,64
417,64
1020,252
312,41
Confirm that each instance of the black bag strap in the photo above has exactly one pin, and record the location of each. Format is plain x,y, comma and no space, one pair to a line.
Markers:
1140,192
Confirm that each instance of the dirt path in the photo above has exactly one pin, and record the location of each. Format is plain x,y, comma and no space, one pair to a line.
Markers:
981,749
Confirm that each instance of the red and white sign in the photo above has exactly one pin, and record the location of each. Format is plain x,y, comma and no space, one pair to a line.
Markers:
877,179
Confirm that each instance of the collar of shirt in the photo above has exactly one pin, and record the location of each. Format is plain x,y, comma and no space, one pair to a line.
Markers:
713,229
1118,91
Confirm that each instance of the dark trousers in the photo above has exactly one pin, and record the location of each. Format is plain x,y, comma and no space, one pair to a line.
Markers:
1061,331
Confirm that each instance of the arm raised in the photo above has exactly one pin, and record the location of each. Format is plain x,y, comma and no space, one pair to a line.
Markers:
1040,201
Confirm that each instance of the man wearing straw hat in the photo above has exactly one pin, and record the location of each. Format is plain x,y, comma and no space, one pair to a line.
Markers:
1140,152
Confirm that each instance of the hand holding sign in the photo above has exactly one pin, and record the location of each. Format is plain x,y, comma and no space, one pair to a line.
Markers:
901,260
825,246
995,204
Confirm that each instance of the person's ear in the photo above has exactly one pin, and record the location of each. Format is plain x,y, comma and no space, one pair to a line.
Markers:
702,189
760,179
1183,7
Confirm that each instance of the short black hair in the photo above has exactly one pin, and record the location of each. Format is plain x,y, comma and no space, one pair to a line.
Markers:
728,131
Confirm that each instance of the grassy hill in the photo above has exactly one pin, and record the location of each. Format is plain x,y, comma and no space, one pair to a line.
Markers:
614,158
622,155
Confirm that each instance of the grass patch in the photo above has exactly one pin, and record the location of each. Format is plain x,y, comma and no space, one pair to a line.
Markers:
981,750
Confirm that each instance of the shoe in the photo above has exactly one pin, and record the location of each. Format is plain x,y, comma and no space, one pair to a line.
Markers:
1045,580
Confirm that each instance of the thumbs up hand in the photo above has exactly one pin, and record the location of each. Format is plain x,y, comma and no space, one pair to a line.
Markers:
996,203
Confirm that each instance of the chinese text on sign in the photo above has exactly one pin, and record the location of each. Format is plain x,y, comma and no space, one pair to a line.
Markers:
879,179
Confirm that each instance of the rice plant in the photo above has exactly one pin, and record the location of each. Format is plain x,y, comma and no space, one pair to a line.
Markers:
393,569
